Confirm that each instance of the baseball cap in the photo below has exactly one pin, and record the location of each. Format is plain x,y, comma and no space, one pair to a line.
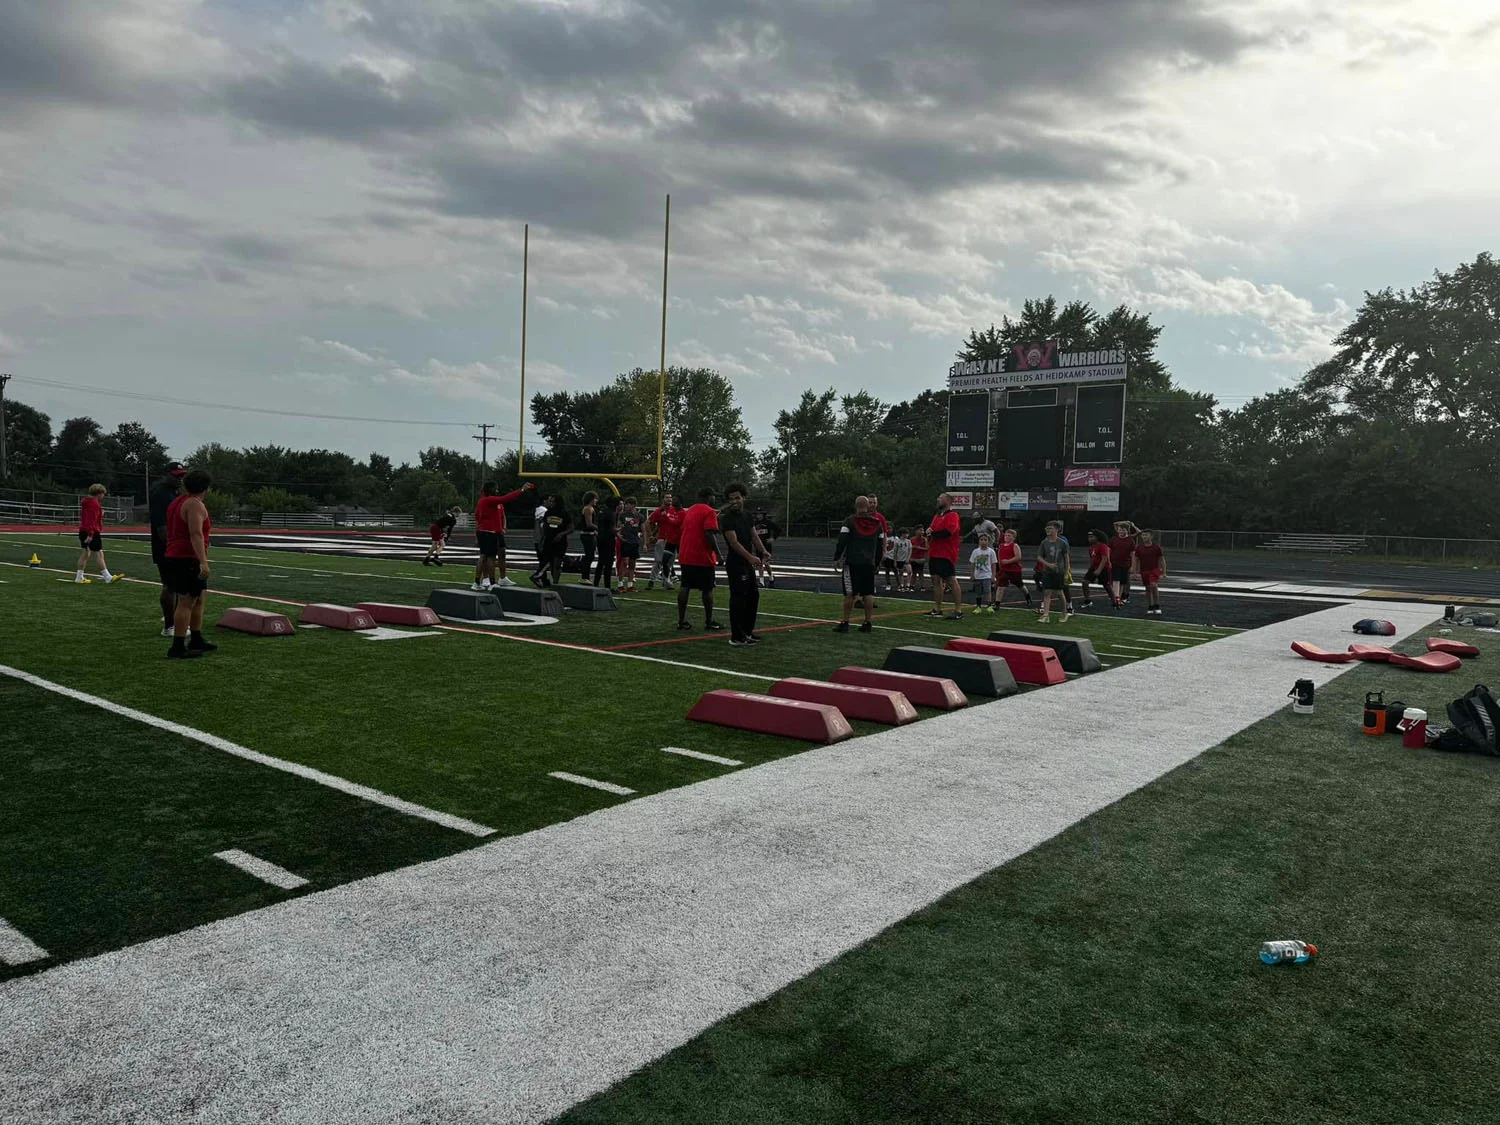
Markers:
176,468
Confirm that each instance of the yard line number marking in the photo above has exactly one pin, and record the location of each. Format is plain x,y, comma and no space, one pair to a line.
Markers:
262,869
354,789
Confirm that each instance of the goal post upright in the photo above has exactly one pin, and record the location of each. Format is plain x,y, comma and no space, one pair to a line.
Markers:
661,389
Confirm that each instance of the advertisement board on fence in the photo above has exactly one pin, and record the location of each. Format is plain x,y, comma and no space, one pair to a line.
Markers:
1091,479
1042,501
962,501
971,478
1011,501
1104,501
1073,501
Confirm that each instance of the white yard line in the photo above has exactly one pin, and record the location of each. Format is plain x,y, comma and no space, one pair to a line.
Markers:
607,652
262,869
607,786
16,948
354,789
700,756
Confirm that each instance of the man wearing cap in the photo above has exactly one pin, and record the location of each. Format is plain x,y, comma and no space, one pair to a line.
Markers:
162,494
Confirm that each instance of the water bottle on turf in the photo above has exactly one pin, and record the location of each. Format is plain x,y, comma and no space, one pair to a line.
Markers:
1287,952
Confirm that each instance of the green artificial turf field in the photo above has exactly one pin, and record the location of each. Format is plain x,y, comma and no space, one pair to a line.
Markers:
1110,975
114,823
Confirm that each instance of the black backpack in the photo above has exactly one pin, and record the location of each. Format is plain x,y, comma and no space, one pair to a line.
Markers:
1476,723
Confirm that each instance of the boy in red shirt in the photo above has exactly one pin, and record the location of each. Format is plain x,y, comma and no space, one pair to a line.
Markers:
666,525
1098,570
1151,565
91,535
1012,570
918,557
943,535
1121,557
698,553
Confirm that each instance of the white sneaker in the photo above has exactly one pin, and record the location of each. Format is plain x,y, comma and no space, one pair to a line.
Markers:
80,580
505,582
166,630
477,588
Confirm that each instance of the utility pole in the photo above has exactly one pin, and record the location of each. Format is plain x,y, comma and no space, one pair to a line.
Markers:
4,467
483,438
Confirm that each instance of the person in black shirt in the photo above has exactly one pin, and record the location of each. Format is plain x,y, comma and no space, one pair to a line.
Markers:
160,499
439,531
588,534
606,518
740,564
553,529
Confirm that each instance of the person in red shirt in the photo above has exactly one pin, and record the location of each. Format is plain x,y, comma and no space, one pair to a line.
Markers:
1121,556
91,535
1098,570
1012,570
666,526
489,530
1151,565
943,536
186,567
698,553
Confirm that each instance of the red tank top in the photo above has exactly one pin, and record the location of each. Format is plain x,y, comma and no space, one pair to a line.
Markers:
179,541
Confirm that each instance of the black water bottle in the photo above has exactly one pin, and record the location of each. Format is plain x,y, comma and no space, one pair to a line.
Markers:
1301,696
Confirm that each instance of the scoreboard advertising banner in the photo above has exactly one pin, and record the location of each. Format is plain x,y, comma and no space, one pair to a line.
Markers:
1032,365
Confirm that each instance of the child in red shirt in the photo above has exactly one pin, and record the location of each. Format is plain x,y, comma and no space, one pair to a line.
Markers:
1121,559
1151,565
1098,570
91,536
1012,571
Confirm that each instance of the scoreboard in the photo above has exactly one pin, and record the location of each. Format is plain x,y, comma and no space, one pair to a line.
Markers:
1099,425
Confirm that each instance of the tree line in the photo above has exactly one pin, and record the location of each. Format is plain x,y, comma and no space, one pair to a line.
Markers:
1396,433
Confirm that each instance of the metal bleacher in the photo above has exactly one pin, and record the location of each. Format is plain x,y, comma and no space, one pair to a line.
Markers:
1317,544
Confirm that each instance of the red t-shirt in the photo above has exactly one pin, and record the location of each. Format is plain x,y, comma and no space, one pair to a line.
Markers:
694,551
1121,548
1098,556
1010,556
918,548
1149,557
668,524
945,548
489,513
90,515
179,538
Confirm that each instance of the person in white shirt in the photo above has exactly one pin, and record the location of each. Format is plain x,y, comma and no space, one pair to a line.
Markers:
889,562
983,560
986,526
903,561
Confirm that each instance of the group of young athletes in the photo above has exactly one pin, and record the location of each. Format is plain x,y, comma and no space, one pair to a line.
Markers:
1113,561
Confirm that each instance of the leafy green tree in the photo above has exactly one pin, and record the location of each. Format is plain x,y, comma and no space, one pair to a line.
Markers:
28,439
81,456
225,466
270,499
133,450
221,505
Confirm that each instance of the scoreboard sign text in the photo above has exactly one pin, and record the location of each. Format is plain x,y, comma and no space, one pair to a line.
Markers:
968,430
1099,425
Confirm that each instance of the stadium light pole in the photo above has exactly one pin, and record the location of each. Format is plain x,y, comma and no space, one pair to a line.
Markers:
4,465
788,489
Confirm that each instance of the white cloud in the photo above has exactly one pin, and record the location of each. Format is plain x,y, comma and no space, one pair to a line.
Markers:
338,350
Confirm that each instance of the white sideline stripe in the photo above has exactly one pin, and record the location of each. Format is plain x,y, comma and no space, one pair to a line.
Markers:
16,948
262,869
354,789
607,786
381,633
700,756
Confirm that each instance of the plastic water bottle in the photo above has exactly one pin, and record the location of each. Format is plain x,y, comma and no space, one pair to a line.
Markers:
1287,952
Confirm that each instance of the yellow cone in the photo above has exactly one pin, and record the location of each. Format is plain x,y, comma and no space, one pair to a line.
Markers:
34,560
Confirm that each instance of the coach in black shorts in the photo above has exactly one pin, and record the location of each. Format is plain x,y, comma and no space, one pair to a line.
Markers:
162,494
861,545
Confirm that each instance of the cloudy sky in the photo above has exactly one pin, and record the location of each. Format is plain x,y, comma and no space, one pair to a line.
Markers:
317,206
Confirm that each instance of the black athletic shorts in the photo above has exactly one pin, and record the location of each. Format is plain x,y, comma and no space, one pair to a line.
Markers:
630,550
1099,576
181,577
90,541
1011,578
941,568
1052,580
859,581
1120,574
697,577
917,565
491,543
